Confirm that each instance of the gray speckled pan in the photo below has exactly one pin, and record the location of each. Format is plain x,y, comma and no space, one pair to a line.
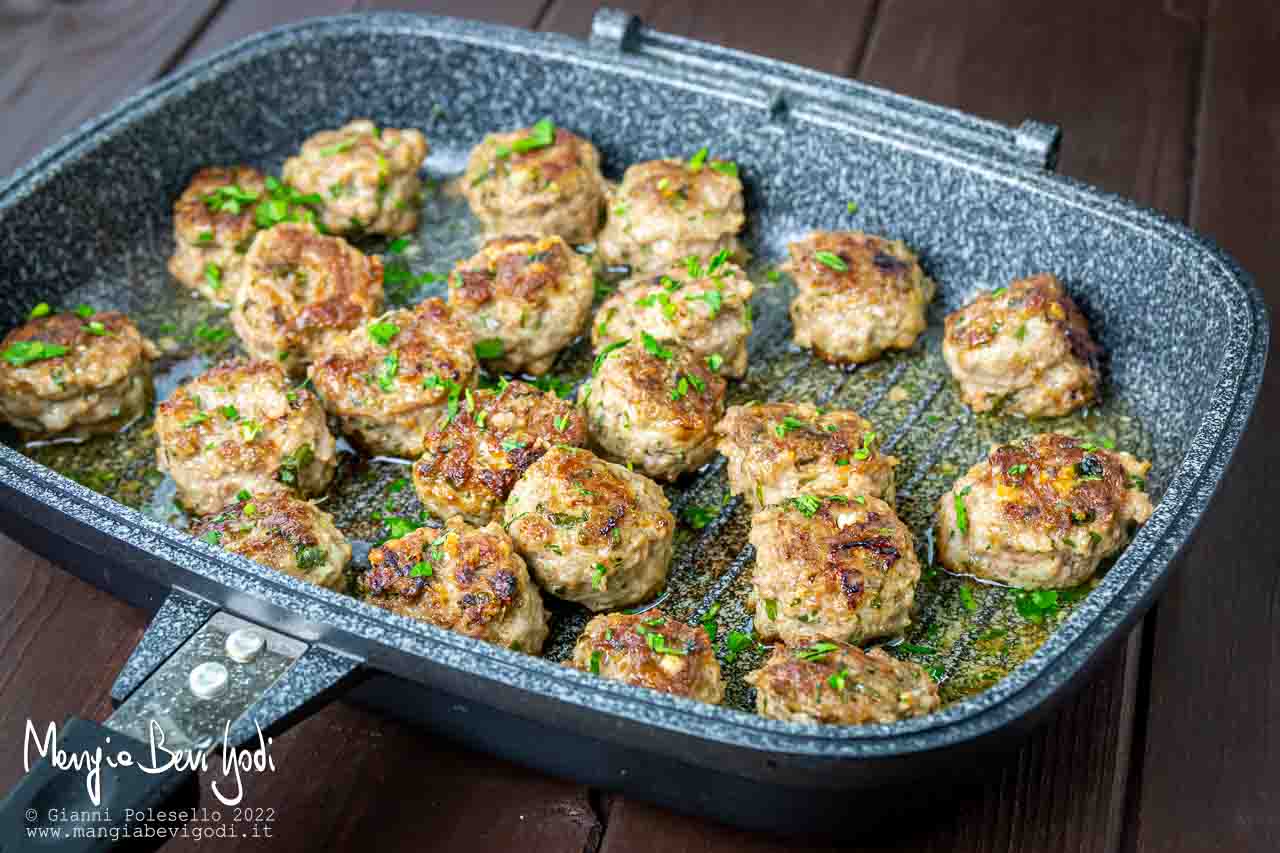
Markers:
1185,330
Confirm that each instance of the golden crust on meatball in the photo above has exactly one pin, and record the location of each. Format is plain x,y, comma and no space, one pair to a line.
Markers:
650,650
461,578
470,463
213,225
857,295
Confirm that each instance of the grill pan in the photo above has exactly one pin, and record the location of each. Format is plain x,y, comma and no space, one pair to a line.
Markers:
1185,330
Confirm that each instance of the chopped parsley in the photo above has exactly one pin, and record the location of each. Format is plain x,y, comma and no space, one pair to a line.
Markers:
228,199
698,516
213,537
95,327
598,571
84,312
713,298
851,207
511,444
832,260
864,452
40,310
489,349
962,512
714,362
606,352
966,598
562,422
709,622
562,388
381,333
1016,470
337,148
421,569
397,245
816,652
541,135
837,679
654,348
787,424
738,642
230,412
595,662
697,161
310,556
294,462
725,167
1035,604
771,609
210,334
387,372
213,276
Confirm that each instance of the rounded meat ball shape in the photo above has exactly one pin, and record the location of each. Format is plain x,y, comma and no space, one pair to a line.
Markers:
705,306
666,210
857,295
281,532
213,225
470,463
243,426
655,406
84,373
300,292
1041,512
650,650
366,175
831,568
1025,348
527,298
593,532
541,180
778,451
839,684
394,379
461,578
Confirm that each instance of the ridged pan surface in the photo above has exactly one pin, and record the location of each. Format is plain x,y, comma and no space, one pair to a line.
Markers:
1182,328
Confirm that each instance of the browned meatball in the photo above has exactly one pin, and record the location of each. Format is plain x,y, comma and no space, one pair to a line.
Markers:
393,380
242,425
281,532
1025,348
540,180
526,299
703,305
85,372
366,175
462,578
470,463
778,451
301,291
841,685
593,532
213,225
857,295
655,406
832,568
666,210
1041,512
650,650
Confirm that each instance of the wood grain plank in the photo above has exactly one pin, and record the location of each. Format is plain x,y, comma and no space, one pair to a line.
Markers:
822,35
1120,79
240,18
1211,774
516,13
47,48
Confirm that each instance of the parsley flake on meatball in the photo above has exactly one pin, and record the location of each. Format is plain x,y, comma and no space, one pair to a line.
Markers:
1042,512
705,306
472,459
778,451
857,295
461,578
839,684
1025,348
666,210
541,180
213,225
243,426
281,532
830,567
526,299
301,291
655,406
366,175
593,532
650,650
83,372
392,380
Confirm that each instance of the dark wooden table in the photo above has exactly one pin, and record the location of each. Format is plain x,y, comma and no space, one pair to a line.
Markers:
1173,746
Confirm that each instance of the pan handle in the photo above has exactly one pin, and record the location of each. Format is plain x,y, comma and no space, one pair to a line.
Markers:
200,681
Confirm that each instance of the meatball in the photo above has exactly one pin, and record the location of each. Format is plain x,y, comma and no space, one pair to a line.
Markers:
391,381
283,533
366,175
830,567
86,372
242,425
527,298
213,225
1026,348
541,180
593,532
778,451
665,210
300,292
462,578
706,308
470,462
841,685
1041,512
650,650
857,295
654,406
